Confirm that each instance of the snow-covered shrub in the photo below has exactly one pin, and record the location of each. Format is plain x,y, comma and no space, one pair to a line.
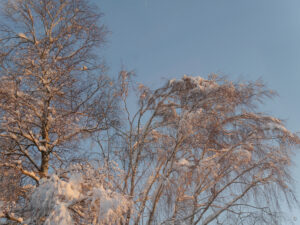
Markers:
78,196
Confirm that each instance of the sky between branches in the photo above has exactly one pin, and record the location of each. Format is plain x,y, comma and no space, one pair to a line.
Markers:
242,39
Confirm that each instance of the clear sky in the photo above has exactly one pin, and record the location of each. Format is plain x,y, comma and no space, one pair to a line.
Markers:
248,39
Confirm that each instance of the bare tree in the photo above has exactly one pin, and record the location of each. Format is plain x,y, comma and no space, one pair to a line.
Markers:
53,89
198,152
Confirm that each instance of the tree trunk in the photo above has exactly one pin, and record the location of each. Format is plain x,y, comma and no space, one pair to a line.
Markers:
44,165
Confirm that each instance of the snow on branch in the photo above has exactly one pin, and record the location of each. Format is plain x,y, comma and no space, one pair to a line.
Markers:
22,170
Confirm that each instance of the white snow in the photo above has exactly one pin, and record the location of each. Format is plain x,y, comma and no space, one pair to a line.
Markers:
53,198
22,35
183,162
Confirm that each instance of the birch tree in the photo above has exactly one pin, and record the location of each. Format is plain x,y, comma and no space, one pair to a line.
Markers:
198,151
53,88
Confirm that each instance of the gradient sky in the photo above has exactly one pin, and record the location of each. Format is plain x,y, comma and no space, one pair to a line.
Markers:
247,39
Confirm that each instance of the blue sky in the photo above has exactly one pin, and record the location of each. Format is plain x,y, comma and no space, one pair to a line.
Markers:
248,39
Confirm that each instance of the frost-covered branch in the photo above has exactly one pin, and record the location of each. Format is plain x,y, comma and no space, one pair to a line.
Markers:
202,142
11,217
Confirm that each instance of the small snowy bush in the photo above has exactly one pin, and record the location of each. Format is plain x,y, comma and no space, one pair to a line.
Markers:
80,196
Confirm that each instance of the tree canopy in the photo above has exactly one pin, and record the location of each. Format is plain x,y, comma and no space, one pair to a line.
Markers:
193,151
